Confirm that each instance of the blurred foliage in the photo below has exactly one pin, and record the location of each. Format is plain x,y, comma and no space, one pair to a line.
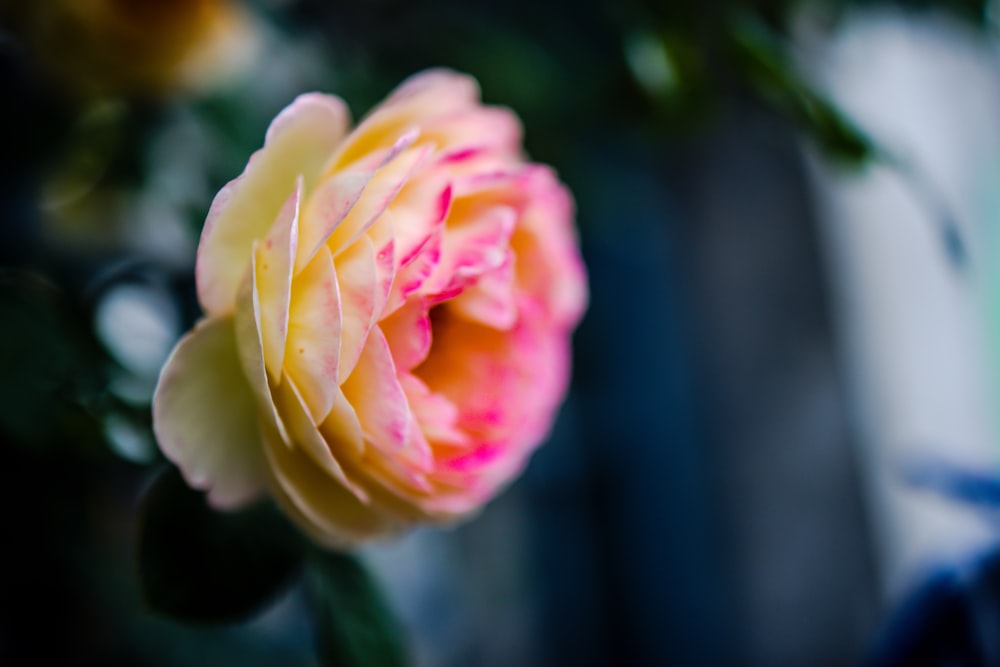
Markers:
52,371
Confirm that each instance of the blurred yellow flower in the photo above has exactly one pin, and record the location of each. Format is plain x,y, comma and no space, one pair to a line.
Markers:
107,47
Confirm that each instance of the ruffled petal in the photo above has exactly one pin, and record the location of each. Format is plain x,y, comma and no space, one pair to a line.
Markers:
205,418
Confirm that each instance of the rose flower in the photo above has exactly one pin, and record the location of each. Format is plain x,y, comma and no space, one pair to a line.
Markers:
388,314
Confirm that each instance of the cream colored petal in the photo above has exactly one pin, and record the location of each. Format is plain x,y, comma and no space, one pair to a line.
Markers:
275,260
205,417
299,142
314,334
250,346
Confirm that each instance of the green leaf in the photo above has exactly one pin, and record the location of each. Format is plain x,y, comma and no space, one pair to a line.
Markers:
202,566
354,626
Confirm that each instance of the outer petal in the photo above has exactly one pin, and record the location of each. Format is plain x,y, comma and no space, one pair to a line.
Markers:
299,142
205,418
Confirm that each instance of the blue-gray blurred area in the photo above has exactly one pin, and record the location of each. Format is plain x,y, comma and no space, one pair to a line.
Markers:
699,501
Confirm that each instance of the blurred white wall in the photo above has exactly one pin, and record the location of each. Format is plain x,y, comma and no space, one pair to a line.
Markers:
914,327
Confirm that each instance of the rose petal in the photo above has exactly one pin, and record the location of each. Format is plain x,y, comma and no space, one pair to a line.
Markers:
382,236
205,419
314,334
327,207
275,259
299,142
491,129
411,277
408,332
342,428
357,274
428,94
420,209
505,384
549,265
437,416
374,391
250,345
470,250
383,187
490,300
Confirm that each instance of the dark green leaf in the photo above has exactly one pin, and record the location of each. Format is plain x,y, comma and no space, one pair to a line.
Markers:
354,626
203,566
770,69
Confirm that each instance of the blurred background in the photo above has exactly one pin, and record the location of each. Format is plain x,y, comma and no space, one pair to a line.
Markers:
789,214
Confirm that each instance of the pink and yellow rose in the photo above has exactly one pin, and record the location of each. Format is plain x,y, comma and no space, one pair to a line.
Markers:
388,314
